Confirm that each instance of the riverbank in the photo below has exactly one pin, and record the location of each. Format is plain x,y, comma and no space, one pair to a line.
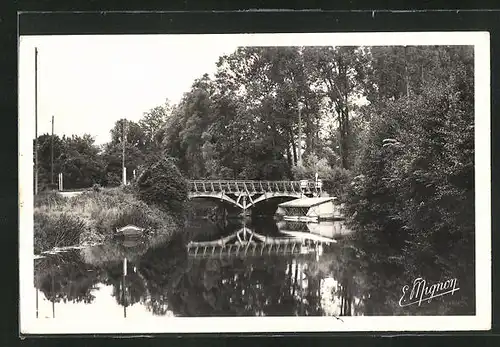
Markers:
92,217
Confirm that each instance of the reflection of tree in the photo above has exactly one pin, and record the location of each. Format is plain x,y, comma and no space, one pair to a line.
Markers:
385,272
161,267
381,275
65,277
242,287
346,298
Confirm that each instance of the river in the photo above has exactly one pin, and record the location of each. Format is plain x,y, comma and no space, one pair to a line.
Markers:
317,278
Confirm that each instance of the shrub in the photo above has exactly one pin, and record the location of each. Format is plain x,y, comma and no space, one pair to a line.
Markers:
163,185
56,230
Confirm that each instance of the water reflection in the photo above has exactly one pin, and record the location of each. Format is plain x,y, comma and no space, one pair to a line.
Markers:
328,229
239,269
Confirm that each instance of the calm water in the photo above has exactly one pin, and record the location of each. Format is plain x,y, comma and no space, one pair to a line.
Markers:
316,278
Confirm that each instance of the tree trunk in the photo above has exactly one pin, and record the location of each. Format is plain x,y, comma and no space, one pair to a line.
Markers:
316,132
309,130
294,147
345,138
343,118
407,75
309,137
289,159
299,142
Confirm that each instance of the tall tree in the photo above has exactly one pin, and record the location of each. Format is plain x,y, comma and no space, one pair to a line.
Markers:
152,125
184,129
126,134
338,73
134,134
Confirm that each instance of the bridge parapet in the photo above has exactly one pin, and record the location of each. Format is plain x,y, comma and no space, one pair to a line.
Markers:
253,187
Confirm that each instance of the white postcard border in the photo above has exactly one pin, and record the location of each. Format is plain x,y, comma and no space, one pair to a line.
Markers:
481,321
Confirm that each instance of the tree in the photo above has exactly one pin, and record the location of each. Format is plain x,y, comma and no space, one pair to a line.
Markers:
135,147
184,128
134,134
338,73
152,125
259,90
113,157
245,122
80,162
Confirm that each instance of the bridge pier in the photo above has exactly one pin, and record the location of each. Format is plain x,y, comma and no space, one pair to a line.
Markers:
245,211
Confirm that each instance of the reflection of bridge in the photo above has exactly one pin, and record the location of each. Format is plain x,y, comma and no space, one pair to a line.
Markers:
246,194
246,242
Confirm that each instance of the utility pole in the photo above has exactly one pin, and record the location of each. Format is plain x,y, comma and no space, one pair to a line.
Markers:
52,154
124,170
124,288
36,121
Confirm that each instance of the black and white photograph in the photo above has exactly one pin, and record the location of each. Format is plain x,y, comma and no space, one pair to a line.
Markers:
254,182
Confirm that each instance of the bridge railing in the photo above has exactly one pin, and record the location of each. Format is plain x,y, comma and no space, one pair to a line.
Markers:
228,186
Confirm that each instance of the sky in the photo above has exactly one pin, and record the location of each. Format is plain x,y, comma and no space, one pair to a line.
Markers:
89,82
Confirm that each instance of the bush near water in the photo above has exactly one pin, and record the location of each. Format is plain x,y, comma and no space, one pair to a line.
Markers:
162,185
94,216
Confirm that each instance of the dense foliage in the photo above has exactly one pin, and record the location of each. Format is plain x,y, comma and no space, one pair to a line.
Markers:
414,195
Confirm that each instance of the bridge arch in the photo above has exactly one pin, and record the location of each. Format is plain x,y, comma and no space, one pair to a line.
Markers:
217,196
251,200
269,196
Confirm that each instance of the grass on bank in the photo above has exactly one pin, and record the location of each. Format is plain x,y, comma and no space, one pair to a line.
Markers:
93,217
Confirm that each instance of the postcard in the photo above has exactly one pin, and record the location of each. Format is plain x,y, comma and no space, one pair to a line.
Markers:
254,183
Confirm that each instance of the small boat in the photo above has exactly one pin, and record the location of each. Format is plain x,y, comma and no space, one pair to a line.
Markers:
129,231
